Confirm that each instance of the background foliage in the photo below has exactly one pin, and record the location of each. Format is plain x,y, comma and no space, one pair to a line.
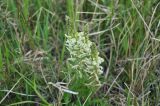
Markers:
33,53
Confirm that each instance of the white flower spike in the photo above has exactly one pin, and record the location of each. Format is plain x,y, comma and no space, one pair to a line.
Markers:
84,56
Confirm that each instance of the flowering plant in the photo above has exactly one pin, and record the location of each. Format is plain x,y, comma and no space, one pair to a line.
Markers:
84,57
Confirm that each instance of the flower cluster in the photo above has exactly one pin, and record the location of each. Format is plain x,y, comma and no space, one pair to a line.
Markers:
84,56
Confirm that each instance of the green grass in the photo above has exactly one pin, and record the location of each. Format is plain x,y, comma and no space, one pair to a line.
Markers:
33,55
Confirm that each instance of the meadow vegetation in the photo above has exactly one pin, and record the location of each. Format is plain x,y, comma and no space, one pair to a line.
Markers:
38,67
